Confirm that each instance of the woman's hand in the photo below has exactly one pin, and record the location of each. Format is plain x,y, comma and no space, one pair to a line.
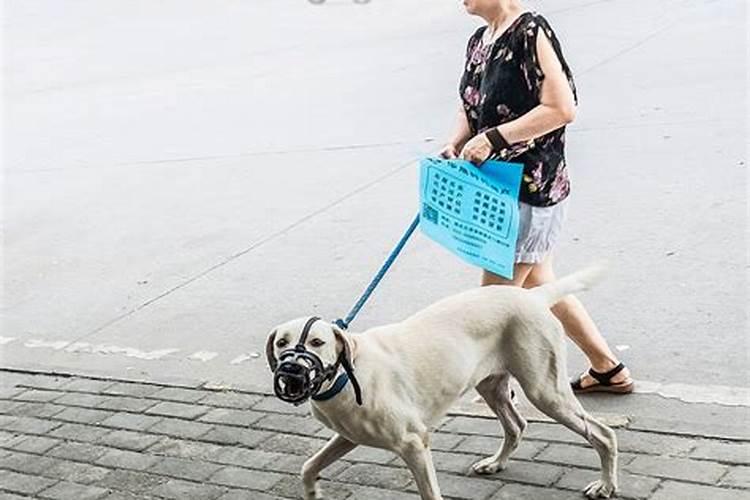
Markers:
449,152
477,150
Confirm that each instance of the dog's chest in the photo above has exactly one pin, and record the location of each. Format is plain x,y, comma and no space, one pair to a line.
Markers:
356,427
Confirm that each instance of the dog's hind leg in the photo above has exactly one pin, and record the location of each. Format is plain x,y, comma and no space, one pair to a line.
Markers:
547,387
415,451
336,448
495,390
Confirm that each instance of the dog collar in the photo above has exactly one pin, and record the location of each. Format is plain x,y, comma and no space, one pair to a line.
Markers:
335,389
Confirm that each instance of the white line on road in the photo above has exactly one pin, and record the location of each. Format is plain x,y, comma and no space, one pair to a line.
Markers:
47,344
85,347
130,352
244,357
203,356
704,394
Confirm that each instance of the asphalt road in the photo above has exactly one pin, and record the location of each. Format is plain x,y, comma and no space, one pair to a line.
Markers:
181,176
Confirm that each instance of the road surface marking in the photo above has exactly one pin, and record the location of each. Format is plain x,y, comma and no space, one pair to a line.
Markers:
130,352
85,347
46,344
706,394
203,356
240,359
702,394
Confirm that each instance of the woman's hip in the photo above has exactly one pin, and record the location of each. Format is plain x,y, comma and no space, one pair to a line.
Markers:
539,229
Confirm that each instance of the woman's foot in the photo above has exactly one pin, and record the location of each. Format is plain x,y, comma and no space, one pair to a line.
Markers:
616,380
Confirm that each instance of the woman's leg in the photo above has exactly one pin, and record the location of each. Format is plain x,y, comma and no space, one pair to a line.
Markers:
520,274
578,325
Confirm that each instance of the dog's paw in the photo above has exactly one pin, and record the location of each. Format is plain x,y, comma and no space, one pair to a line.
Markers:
489,465
600,489
313,493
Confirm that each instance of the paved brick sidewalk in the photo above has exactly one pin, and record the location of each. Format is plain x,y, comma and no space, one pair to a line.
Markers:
76,438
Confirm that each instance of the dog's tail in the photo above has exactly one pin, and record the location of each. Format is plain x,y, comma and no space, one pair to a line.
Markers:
551,293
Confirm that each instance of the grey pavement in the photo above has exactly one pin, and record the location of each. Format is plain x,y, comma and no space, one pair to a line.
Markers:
180,176
76,438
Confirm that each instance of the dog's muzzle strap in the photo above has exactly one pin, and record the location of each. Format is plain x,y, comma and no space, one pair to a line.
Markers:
341,381
355,384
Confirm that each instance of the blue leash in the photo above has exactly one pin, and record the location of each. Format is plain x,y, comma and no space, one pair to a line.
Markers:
344,323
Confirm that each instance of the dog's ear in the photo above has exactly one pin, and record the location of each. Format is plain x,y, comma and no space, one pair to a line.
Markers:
349,350
270,356
348,346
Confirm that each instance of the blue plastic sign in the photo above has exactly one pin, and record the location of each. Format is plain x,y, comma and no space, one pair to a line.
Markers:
473,212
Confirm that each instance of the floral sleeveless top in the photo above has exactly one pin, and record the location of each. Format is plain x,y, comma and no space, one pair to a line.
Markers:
502,81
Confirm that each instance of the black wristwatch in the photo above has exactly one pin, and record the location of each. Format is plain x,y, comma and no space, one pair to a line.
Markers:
496,139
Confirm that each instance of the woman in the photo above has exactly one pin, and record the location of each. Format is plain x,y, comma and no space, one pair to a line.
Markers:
517,95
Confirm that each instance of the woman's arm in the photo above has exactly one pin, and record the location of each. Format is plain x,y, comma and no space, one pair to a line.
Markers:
461,134
557,105
556,108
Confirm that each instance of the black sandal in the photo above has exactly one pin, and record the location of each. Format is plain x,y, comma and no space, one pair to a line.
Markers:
604,382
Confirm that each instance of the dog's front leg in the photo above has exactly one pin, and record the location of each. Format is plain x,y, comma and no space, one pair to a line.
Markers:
334,449
415,451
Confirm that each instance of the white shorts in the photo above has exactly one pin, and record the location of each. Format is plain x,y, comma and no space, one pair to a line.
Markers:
538,230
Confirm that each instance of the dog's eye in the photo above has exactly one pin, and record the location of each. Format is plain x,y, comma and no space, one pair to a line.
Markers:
282,343
316,342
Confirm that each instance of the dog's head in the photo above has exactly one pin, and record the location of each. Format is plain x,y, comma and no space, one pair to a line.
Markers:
302,365
326,340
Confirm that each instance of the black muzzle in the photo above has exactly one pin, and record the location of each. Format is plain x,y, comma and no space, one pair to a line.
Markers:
300,375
